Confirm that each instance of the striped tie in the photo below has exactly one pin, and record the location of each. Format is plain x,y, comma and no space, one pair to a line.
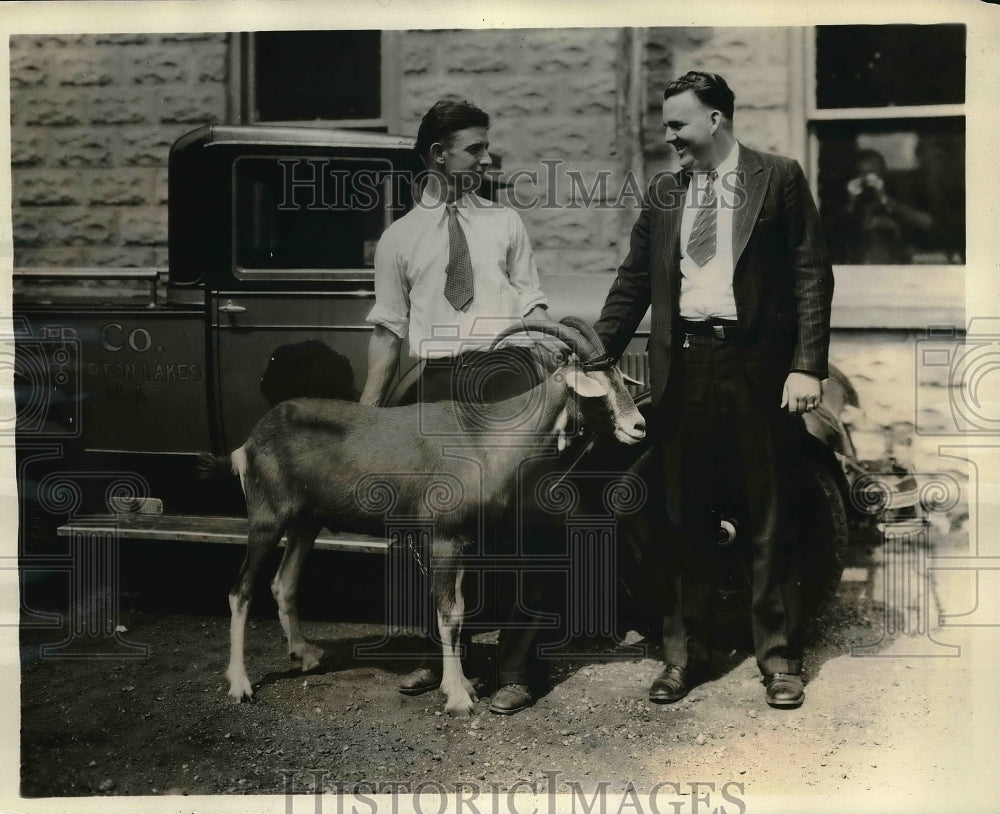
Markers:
458,288
702,240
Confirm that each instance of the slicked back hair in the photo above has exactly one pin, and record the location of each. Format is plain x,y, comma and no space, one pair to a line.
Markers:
710,88
443,119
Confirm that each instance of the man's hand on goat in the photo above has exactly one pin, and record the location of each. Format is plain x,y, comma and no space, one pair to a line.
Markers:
548,351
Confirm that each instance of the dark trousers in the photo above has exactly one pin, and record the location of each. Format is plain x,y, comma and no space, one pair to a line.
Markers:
723,434
512,600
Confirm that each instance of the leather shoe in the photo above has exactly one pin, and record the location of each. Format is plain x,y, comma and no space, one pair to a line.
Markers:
511,698
674,683
784,690
421,680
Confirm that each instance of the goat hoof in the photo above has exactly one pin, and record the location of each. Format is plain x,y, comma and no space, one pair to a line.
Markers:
241,690
309,655
460,708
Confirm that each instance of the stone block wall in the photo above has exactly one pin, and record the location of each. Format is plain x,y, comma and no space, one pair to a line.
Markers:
907,398
553,95
755,64
92,121
93,117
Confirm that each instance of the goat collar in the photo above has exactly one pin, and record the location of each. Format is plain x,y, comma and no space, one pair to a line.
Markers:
603,362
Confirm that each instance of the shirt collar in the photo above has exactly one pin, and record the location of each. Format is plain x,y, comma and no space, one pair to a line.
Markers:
728,165
730,162
439,210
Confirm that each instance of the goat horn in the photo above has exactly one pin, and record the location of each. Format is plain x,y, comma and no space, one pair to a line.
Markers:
588,332
567,335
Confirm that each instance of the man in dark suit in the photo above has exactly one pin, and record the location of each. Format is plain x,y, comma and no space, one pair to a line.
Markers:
728,253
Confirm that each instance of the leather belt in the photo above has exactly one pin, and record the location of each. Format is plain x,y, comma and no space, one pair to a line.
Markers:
715,328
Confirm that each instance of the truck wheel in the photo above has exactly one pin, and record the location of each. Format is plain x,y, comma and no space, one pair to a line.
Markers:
823,533
644,544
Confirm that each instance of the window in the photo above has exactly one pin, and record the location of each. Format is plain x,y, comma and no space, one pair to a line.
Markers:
887,142
303,229
345,79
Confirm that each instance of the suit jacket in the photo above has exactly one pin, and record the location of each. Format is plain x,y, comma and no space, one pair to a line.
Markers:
782,280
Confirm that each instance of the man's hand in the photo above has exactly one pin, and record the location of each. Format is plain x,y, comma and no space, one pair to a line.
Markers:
538,314
548,350
871,180
802,392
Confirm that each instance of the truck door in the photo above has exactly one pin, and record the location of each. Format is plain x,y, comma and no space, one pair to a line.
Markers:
251,327
305,232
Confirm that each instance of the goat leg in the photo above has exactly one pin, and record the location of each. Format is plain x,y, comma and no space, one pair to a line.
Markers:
298,543
261,539
239,684
458,690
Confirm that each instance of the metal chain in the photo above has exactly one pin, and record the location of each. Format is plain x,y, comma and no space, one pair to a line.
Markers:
416,554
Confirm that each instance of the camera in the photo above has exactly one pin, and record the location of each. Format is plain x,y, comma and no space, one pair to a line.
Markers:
870,184
958,380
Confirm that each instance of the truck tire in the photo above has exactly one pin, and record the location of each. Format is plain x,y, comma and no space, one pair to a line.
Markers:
823,533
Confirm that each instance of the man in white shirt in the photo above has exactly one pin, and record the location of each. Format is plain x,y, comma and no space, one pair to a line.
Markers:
449,276
412,257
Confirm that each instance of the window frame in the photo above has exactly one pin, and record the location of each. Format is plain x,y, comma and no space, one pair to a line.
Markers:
243,70
913,295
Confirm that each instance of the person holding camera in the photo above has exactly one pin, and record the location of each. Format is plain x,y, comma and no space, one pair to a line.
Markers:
878,223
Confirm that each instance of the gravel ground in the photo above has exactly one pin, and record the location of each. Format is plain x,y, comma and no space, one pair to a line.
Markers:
892,731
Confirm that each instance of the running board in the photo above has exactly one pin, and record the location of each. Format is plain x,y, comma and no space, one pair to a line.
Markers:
202,529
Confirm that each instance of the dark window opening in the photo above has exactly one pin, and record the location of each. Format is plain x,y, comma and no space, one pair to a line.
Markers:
889,65
317,75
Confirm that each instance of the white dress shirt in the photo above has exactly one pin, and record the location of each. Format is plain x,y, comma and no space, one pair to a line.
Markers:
707,291
410,264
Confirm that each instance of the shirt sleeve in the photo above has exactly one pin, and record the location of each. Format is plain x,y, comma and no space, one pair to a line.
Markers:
392,290
521,269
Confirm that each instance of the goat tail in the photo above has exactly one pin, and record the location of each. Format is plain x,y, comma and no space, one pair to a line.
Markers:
214,466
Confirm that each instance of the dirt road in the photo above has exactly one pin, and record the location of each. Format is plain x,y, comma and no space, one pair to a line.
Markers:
894,730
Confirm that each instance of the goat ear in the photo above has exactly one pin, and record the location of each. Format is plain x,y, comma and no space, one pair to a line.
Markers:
584,385
629,380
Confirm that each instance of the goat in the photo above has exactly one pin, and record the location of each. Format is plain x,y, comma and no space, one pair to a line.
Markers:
306,463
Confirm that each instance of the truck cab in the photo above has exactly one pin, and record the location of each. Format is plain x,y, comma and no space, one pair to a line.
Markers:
272,235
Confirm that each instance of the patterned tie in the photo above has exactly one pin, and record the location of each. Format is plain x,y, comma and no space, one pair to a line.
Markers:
702,240
458,288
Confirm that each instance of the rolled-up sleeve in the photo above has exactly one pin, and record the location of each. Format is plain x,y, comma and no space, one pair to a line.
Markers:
521,269
392,290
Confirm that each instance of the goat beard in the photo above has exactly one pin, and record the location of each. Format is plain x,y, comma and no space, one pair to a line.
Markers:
559,429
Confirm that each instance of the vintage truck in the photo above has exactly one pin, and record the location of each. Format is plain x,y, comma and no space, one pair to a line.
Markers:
272,233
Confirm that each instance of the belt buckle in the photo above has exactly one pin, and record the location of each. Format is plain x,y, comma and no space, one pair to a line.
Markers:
719,331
